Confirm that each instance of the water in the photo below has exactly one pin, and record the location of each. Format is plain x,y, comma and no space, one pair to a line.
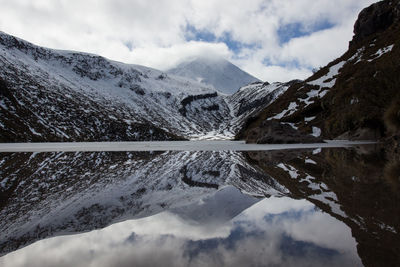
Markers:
204,145
287,207
280,231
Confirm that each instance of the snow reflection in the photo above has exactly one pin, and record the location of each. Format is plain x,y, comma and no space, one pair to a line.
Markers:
277,231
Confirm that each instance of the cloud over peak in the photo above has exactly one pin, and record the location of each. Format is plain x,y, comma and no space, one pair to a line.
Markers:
274,40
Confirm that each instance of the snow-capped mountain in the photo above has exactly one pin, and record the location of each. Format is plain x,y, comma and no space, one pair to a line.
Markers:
61,95
53,95
218,72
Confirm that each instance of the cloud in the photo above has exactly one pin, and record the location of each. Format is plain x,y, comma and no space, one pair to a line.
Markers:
253,33
273,73
316,49
167,57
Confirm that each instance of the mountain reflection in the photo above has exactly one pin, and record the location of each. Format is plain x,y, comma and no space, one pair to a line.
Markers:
48,194
357,186
332,207
274,232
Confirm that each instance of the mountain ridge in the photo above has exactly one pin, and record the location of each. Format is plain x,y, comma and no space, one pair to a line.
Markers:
58,95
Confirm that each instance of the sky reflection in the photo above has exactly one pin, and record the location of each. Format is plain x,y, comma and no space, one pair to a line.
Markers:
272,232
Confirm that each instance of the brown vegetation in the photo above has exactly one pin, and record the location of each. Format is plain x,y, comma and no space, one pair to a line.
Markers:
392,174
392,116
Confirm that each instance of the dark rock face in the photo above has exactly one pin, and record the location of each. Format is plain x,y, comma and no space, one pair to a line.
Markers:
361,100
361,134
375,18
274,132
247,104
189,99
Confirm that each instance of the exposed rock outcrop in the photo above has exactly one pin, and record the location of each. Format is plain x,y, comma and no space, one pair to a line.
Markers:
273,132
374,19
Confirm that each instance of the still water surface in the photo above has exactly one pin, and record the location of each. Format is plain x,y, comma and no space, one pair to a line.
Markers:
167,146
289,207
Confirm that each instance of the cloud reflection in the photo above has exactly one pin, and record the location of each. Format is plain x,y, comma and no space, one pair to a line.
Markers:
273,232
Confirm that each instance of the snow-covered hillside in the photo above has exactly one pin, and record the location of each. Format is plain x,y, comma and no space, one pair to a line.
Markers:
53,95
250,99
62,95
217,72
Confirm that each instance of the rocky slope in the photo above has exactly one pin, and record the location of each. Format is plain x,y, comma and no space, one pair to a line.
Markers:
355,96
251,99
217,72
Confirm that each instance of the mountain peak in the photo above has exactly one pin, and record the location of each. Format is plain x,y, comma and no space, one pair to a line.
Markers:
216,71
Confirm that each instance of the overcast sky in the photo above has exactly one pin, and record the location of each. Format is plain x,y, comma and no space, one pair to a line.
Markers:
274,40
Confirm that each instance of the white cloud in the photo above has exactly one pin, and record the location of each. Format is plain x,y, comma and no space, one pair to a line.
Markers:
154,33
273,73
168,57
316,49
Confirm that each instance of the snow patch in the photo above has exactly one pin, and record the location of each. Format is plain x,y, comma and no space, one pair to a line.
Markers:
2,104
354,100
292,171
328,80
291,124
387,228
381,52
308,119
287,112
330,199
316,131
317,151
310,161
313,93
34,132
357,55
214,135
